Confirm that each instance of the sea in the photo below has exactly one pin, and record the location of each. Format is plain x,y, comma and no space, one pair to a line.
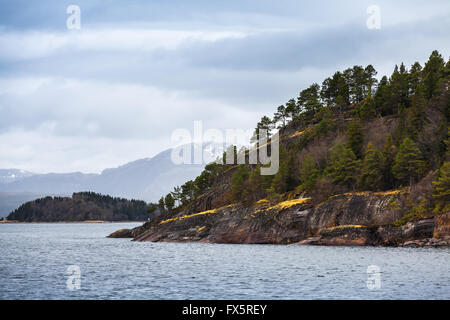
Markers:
78,261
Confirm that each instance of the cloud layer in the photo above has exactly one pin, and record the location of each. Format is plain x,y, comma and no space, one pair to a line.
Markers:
113,91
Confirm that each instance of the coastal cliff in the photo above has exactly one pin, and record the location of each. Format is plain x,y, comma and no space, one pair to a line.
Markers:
347,219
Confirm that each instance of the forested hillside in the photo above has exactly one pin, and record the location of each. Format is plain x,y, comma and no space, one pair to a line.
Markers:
352,133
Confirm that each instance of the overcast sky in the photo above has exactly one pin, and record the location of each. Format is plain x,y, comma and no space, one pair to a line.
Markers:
114,90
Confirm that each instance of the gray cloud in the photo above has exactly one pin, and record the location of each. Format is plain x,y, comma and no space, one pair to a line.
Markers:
132,75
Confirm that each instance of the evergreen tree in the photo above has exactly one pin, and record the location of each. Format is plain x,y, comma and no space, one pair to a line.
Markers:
265,124
259,183
415,77
372,169
169,201
355,138
334,87
381,97
389,152
281,115
408,164
161,205
343,166
366,110
308,173
292,109
398,93
369,79
309,100
441,187
432,73
417,114
357,83
239,183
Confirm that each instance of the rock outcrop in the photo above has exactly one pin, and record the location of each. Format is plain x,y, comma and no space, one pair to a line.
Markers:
348,219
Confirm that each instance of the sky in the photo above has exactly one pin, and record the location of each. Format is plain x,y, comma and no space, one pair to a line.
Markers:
115,89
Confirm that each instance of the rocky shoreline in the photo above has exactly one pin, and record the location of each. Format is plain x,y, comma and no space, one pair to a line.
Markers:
354,219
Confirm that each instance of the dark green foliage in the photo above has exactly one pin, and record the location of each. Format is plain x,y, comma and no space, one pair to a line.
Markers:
161,204
441,187
281,115
355,137
83,206
417,115
280,182
408,165
381,98
292,109
431,74
239,183
309,100
308,173
265,124
366,110
389,152
169,201
343,167
258,183
371,177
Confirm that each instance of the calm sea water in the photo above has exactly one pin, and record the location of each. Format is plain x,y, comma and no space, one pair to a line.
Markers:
34,259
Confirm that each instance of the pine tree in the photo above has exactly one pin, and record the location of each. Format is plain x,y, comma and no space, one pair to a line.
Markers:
259,183
369,79
372,170
414,78
281,179
381,97
398,95
366,110
441,187
292,109
417,114
239,183
355,137
161,204
408,164
281,115
169,201
308,173
309,100
389,152
432,73
343,166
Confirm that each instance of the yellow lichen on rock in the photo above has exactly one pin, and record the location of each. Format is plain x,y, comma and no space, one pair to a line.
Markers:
200,229
297,133
289,203
367,193
189,216
391,192
344,226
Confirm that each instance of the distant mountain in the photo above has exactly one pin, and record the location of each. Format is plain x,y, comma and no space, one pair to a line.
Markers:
145,179
11,175
12,200
83,206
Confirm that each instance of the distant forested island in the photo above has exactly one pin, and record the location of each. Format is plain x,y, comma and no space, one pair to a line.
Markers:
83,206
